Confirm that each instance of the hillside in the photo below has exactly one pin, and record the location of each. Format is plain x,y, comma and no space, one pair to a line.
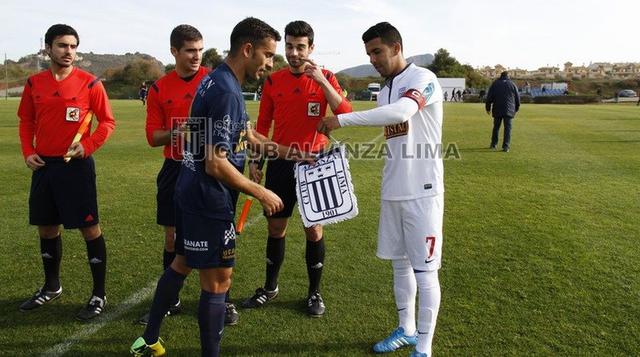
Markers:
367,70
95,63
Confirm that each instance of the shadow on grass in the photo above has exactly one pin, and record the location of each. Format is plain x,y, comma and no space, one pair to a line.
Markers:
296,348
617,141
482,149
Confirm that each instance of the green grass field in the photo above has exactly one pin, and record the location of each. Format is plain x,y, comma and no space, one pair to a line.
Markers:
540,257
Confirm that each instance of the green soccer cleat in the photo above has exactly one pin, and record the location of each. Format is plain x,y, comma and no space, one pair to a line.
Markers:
139,348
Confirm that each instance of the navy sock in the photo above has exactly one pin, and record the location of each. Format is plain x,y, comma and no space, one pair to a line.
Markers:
167,258
227,296
167,290
51,252
275,257
211,320
314,255
97,255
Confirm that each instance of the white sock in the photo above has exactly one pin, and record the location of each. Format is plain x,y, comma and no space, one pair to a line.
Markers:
429,291
404,288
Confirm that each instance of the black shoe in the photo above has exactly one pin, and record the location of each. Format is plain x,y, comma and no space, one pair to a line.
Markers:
315,305
94,307
260,298
40,298
505,149
173,310
492,147
231,316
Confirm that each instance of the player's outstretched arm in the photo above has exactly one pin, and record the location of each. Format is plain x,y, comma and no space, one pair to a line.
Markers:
218,166
394,113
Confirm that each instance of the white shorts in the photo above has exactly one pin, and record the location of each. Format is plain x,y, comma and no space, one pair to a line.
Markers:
412,229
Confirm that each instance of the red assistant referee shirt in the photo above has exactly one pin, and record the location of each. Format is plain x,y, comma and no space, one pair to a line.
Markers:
170,97
295,103
51,111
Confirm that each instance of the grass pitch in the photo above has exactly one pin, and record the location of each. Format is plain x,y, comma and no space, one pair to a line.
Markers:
540,253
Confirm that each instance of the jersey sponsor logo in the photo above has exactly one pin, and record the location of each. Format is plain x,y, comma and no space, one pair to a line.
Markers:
395,130
196,245
416,96
313,109
431,244
229,234
73,114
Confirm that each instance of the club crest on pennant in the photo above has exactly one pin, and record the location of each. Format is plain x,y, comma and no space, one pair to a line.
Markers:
325,192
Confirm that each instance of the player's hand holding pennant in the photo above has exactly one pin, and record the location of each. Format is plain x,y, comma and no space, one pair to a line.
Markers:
324,190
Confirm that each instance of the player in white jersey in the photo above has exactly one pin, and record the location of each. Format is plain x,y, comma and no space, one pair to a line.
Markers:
412,198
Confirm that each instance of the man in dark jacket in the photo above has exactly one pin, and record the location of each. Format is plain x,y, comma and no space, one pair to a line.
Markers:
503,101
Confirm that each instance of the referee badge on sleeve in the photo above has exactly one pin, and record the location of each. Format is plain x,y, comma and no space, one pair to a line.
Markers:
324,190
73,114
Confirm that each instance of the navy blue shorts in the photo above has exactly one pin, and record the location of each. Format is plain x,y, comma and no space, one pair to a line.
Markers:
64,193
205,242
166,181
281,180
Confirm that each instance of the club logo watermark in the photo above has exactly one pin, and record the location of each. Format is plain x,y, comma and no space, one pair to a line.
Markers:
191,136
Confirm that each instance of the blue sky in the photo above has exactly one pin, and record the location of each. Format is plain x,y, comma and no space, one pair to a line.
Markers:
515,33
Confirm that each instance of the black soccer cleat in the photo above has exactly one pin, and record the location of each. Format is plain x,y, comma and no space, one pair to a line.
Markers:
231,316
260,298
40,298
173,310
315,305
93,309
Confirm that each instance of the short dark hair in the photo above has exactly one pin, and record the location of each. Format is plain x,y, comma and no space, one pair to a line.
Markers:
387,33
251,30
60,30
183,33
299,29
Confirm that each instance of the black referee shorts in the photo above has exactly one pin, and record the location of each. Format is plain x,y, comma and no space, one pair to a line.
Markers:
281,180
167,177
64,193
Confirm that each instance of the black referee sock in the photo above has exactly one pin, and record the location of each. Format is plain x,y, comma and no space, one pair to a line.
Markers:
314,255
97,254
167,258
51,252
275,257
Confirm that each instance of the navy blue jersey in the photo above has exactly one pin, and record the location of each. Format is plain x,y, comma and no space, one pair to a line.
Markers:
218,119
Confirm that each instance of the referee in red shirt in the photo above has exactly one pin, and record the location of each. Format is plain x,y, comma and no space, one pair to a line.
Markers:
53,105
294,100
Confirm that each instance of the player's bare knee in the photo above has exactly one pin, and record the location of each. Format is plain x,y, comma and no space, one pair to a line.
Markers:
169,239
48,232
179,265
215,280
277,227
313,233
90,233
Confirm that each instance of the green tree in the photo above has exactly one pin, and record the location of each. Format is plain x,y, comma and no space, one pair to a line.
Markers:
169,67
211,58
446,66
124,82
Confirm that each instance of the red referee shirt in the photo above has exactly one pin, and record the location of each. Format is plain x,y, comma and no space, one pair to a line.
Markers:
170,97
295,103
51,111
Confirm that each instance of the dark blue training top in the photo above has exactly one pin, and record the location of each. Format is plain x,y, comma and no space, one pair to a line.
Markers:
218,118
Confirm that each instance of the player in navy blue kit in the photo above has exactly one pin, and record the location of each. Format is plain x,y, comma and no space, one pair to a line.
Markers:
215,138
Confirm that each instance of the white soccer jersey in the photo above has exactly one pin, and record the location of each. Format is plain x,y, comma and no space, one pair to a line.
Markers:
413,166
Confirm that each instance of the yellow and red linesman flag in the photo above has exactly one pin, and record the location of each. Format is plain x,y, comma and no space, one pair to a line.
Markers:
247,206
84,125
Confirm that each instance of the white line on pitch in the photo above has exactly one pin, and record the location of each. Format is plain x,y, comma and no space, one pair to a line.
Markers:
135,299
